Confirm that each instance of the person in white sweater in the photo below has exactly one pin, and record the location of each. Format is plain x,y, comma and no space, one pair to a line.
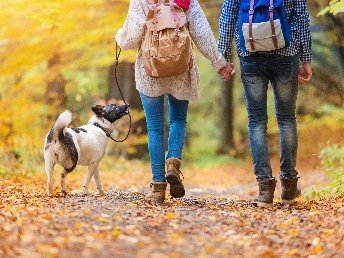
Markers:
179,89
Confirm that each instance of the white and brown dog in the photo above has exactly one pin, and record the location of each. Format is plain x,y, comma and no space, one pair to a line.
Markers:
83,146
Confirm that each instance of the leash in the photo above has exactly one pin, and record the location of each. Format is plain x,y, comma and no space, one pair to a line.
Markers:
118,53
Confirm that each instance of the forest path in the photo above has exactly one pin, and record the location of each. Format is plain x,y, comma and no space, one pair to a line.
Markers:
214,219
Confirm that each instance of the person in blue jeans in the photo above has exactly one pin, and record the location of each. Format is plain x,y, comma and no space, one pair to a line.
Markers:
280,68
177,114
180,90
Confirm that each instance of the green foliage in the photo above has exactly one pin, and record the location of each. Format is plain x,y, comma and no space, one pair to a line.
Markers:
332,161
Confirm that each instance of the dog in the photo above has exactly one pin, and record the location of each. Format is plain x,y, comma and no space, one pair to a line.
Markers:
83,146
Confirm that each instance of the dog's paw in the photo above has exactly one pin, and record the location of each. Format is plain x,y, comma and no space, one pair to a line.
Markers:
78,193
101,193
64,192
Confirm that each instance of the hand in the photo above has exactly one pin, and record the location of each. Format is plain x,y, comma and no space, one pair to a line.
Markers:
227,72
305,73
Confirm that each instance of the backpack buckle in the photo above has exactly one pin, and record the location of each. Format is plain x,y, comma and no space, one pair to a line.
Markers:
271,8
176,34
156,37
251,11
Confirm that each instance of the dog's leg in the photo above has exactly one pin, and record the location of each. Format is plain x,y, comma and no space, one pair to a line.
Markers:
63,182
97,181
49,169
90,172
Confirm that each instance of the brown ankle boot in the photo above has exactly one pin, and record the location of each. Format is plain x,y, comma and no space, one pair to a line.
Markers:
290,190
158,192
266,193
173,178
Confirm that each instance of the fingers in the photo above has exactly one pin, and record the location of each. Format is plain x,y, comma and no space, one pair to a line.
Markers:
301,80
304,78
305,73
227,72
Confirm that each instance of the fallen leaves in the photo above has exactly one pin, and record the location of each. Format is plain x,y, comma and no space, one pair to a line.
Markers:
121,222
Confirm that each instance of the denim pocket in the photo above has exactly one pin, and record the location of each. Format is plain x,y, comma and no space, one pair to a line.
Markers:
286,72
249,72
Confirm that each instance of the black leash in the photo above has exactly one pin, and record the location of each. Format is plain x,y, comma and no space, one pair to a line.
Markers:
118,53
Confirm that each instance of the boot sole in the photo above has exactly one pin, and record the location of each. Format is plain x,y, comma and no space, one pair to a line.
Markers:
289,202
176,187
264,205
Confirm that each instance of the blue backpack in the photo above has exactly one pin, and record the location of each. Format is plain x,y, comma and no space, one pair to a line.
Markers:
263,25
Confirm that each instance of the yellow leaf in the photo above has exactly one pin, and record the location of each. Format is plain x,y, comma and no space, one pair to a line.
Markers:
293,232
115,233
170,215
102,219
293,251
78,225
328,232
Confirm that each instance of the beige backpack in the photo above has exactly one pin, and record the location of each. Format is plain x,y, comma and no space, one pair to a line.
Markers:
166,48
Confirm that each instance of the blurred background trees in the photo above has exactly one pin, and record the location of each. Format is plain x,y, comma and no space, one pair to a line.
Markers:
59,54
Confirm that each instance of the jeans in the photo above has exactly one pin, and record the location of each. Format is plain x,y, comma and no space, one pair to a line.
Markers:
154,110
256,73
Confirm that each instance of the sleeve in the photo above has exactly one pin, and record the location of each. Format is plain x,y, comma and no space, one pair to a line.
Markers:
227,25
132,32
203,37
305,36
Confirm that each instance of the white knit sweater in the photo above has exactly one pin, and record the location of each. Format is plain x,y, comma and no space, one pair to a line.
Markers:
184,86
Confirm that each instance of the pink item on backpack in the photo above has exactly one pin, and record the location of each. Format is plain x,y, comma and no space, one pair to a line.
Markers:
185,4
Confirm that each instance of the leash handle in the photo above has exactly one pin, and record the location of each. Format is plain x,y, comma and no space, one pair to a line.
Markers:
118,53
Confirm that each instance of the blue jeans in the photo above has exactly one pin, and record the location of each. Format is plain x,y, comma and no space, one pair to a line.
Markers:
256,73
154,110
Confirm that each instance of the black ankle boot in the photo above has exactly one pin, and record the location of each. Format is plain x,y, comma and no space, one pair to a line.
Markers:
290,190
266,193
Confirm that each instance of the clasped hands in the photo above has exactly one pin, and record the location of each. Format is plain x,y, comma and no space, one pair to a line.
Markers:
227,72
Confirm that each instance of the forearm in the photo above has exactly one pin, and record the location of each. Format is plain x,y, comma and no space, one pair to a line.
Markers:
305,36
203,37
227,25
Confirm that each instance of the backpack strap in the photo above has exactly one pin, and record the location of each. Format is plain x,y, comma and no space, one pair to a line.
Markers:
250,28
153,7
273,29
176,19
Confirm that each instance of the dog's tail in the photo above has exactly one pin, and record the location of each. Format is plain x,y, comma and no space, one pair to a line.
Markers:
61,123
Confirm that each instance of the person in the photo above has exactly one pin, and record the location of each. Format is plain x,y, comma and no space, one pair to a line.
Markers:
281,68
180,90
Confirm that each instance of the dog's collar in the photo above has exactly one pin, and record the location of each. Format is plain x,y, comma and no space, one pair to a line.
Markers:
108,134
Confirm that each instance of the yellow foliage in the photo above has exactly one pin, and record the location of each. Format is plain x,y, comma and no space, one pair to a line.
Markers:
40,41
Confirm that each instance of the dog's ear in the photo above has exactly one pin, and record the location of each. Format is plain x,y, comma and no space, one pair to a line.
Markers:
98,110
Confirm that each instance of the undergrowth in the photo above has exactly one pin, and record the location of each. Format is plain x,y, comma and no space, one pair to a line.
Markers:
332,162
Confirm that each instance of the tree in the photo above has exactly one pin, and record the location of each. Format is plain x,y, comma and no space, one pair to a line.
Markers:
44,48
212,9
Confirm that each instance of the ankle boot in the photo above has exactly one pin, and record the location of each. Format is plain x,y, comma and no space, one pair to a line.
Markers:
266,193
158,192
290,190
173,178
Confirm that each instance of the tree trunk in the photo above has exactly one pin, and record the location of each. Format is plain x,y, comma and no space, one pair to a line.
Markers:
55,95
226,116
126,81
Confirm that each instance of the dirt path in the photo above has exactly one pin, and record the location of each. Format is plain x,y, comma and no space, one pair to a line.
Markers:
213,220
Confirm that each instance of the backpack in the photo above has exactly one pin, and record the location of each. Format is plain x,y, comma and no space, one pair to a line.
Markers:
166,47
263,25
